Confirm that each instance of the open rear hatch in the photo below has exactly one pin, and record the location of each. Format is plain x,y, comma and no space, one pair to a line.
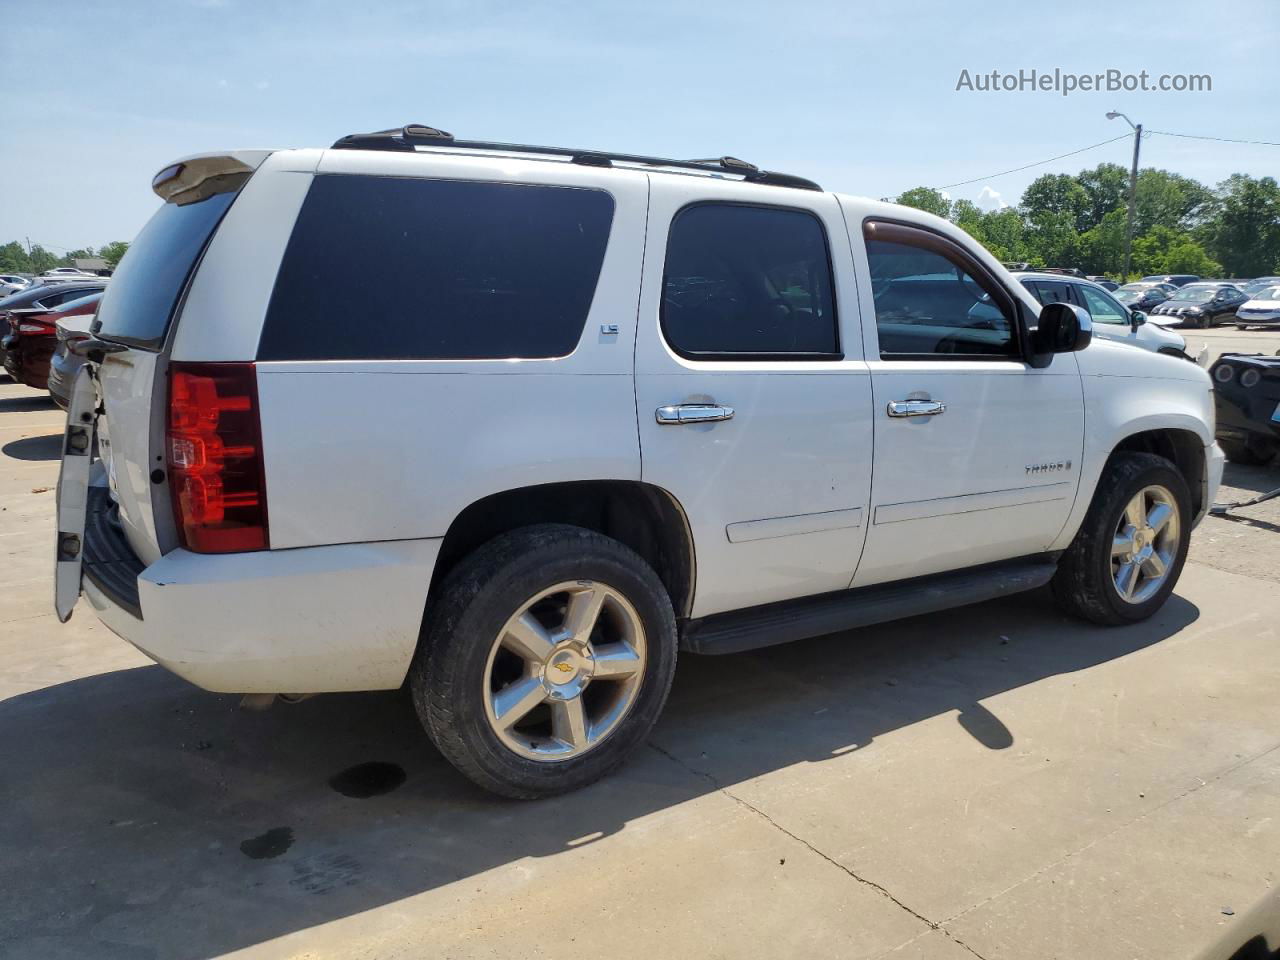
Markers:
120,393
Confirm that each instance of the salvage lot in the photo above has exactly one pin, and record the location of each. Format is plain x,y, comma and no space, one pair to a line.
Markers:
998,781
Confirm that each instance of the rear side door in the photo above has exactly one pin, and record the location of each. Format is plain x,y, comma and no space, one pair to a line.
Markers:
753,400
977,452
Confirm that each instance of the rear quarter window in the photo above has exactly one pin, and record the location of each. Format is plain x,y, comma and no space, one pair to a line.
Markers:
387,268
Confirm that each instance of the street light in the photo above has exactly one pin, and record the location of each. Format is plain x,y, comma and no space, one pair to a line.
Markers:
1133,186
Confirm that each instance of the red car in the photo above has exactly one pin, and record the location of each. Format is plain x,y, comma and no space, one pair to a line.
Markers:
33,335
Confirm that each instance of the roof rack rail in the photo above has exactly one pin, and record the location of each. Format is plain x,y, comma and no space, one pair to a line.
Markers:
413,135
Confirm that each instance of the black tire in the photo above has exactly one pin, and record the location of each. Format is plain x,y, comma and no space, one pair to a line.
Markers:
1253,452
1242,326
469,609
1083,585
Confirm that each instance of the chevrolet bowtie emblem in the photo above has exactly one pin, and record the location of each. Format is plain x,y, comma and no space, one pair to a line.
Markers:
564,668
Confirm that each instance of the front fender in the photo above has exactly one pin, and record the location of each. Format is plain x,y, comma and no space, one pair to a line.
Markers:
1125,395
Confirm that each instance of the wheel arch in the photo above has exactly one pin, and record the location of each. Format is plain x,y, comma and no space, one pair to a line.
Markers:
644,517
1182,447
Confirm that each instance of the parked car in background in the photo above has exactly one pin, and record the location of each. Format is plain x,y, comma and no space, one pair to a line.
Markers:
1111,318
71,326
72,272
11,283
1203,304
1262,309
1252,287
1246,397
33,335
1104,282
632,328
1141,296
1177,279
44,298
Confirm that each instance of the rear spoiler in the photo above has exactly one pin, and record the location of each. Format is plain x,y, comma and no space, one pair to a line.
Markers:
205,174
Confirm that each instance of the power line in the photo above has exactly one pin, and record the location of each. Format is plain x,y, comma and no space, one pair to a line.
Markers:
992,176
1196,136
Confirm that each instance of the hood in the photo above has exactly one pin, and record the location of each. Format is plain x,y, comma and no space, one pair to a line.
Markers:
1115,358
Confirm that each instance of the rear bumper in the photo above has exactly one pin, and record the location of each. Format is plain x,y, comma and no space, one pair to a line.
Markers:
308,620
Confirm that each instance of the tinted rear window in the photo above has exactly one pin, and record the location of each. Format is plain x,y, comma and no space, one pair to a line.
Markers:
383,268
146,286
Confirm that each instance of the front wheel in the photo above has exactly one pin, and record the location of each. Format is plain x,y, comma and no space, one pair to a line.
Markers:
1129,552
546,659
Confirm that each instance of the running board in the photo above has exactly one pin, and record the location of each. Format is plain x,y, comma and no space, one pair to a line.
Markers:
789,620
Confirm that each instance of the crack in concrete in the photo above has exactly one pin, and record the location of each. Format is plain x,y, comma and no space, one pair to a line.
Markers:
884,892
1200,785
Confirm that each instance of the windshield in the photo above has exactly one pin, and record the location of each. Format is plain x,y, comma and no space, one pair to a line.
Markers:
1195,294
1267,293
1127,296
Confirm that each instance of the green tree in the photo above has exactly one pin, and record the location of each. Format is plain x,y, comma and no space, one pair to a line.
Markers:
1166,250
1058,196
1169,200
1242,231
42,260
1101,249
1107,186
113,251
1052,239
14,258
926,199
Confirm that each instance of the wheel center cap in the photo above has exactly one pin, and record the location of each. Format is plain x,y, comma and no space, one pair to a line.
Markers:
563,667
1141,538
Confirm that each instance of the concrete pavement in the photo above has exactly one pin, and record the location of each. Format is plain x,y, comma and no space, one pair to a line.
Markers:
998,781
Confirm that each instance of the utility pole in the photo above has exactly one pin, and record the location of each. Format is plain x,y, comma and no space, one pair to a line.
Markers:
1133,189
28,239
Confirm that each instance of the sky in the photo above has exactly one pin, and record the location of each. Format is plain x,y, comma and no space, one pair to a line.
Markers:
859,96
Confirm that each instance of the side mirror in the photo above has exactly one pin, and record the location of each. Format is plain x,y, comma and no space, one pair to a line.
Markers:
1062,329
1136,319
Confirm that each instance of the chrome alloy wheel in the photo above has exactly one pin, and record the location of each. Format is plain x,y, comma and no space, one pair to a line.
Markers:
1145,544
564,671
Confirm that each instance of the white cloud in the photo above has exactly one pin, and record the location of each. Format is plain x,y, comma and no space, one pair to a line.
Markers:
990,200
262,84
222,83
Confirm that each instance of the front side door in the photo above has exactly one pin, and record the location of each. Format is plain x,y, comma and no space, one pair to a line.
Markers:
976,453
753,401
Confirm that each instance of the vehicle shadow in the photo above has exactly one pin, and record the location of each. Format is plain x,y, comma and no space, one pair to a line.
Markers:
144,816
48,447
36,402
1261,479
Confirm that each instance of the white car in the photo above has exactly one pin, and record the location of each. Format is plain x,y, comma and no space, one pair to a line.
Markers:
1261,311
1111,318
11,284
596,409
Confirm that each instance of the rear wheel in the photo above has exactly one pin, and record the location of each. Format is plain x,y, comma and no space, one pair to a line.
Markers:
1253,452
1242,326
546,659
1129,552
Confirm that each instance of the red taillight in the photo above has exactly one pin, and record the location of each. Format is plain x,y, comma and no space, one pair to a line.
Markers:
214,450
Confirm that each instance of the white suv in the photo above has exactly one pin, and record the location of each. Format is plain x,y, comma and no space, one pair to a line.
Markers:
596,409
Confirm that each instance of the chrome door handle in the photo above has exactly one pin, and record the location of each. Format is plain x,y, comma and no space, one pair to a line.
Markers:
916,408
674,414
